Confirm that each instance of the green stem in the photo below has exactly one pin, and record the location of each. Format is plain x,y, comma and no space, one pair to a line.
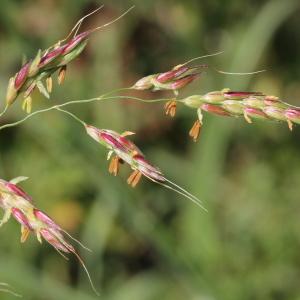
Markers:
26,118
117,90
114,98
4,110
72,115
101,98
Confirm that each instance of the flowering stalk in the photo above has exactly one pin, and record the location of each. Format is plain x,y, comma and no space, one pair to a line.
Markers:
174,80
46,63
177,78
250,105
124,150
15,202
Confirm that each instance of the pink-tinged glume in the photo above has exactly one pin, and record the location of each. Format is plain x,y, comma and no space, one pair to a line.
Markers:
256,113
21,76
54,241
20,217
45,219
293,114
217,110
75,41
51,56
240,95
180,83
17,191
167,76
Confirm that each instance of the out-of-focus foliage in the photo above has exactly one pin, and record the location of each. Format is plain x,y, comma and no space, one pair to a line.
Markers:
149,243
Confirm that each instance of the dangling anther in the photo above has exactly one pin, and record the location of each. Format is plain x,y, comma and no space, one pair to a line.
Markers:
27,104
134,178
114,166
49,84
61,75
126,133
247,118
195,131
24,234
290,124
170,108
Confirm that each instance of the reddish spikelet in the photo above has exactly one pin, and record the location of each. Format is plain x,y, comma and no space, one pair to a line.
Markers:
146,168
180,83
175,79
76,41
128,152
21,218
21,76
125,150
17,203
112,141
45,219
170,75
50,56
239,103
255,113
55,239
217,110
293,114
43,66
236,95
16,190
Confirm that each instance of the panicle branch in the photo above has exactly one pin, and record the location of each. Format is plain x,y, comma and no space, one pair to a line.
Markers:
17,203
39,70
47,62
250,105
124,150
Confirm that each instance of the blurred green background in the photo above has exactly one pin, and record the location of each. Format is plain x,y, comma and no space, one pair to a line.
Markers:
149,243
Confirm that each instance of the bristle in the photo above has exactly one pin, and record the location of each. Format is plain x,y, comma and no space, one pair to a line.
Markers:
87,272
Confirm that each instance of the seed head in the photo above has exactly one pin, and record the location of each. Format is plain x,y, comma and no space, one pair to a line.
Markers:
125,150
17,203
44,65
175,79
251,105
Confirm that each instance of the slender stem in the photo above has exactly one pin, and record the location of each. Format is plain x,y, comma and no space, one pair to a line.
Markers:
70,114
114,98
26,118
117,90
4,110
101,98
